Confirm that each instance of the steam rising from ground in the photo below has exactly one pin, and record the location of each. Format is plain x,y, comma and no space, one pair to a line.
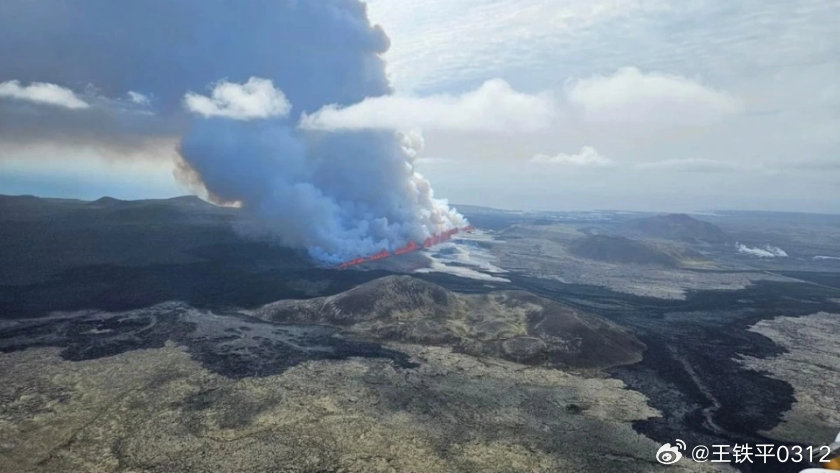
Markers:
340,195
768,251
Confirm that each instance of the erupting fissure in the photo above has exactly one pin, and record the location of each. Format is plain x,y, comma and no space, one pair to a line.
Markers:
410,247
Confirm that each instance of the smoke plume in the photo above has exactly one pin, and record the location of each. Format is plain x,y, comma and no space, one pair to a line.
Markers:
340,195
233,81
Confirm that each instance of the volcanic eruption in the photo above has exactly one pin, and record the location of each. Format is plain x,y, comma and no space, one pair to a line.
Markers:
230,86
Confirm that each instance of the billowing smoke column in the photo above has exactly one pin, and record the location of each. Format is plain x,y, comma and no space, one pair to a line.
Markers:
234,79
340,195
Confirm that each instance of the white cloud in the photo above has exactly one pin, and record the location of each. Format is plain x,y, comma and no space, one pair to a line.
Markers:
138,98
768,251
630,95
43,93
495,106
587,156
257,98
436,42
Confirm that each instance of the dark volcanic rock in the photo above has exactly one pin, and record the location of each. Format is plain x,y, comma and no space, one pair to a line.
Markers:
514,325
680,227
616,249
45,238
524,349
233,345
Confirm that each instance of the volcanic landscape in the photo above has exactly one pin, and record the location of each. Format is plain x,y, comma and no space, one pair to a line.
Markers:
156,336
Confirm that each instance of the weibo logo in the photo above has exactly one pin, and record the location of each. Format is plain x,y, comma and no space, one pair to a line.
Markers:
669,454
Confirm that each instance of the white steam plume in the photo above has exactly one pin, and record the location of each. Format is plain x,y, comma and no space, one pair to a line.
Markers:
340,195
768,251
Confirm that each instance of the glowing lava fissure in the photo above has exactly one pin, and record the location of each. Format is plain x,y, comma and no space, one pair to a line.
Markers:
410,247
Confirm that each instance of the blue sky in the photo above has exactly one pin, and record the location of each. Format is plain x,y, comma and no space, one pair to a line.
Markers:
535,104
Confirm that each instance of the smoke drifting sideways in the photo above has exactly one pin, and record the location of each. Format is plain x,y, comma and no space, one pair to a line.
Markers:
339,195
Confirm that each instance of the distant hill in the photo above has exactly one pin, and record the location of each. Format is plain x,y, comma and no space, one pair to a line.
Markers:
679,227
616,249
513,325
108,210
44,237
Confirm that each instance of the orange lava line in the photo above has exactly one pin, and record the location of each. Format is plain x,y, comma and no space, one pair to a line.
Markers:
410,247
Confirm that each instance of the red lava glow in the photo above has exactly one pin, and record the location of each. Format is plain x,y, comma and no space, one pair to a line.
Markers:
410,247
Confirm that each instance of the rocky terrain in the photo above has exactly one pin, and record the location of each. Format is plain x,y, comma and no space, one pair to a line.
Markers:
810,365
680,227
169,336
44,237
513,325
548,251
158,410
615,249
